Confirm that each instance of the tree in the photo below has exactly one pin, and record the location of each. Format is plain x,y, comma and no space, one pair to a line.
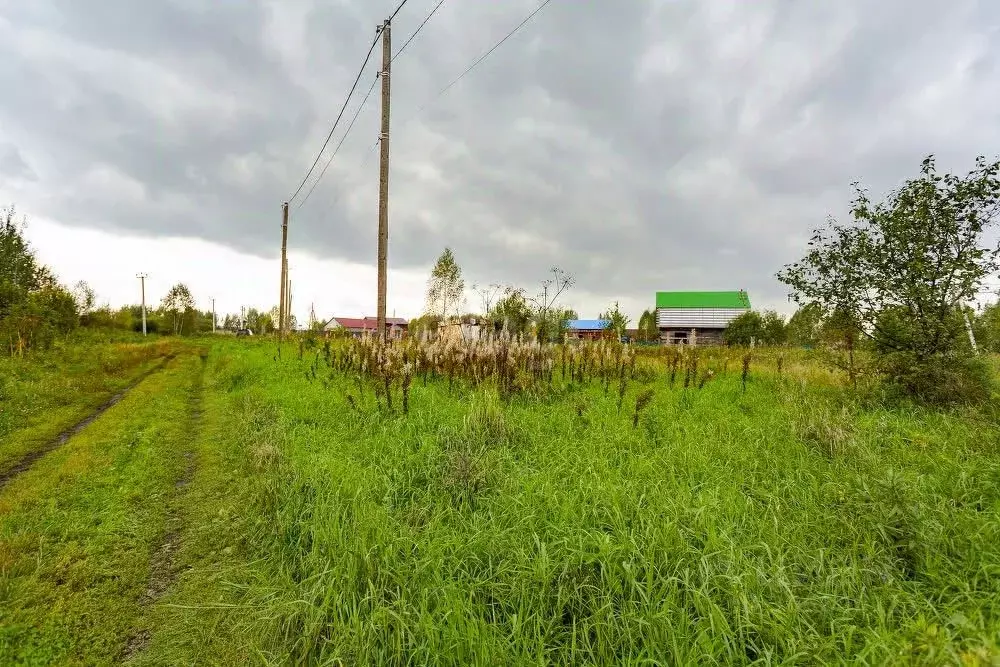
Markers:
648,330
552,289
423,326
34,307
772,329
512,313
487,295
265,324
84,296
176,304
18,268
445,286
559,323
617,320
919,256
803,327
744,329
987,328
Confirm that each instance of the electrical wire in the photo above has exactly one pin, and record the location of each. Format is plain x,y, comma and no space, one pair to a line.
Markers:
364,163
329,136
397,10
481,58
419,27
336,150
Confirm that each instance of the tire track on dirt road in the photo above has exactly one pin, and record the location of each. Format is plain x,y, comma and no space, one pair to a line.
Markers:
29,459
162,567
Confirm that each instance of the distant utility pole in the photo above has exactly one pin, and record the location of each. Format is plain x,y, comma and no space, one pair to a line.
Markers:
968,328
213,314
288,304
383,180
142,280
284,270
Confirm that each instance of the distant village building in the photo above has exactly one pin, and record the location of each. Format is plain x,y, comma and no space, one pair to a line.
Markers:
588,329
359,326
697,318
466,330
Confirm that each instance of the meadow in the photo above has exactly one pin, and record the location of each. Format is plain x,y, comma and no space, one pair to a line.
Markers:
331,503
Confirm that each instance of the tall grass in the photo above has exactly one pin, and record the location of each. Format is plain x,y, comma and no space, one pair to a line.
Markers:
516,514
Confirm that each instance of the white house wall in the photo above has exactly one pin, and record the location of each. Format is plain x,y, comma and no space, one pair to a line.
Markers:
708,318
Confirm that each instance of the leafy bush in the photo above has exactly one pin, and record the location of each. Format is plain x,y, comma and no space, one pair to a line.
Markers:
940,380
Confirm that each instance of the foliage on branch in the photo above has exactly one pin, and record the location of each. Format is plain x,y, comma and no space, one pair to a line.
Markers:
900,272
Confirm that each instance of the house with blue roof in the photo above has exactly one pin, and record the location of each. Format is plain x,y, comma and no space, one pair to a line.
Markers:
588,329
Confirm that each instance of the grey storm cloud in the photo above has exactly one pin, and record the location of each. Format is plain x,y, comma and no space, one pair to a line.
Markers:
639,144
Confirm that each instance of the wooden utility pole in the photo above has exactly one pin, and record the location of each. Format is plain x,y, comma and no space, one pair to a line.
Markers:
284,270
288,305
383,181
142,279
213,314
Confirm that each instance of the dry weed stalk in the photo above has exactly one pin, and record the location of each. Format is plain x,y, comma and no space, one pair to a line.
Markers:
641,402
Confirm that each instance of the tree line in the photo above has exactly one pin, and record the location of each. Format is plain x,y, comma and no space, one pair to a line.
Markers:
36,308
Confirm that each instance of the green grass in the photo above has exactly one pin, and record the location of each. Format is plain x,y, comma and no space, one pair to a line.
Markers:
44,394
78,529
795,523
783,525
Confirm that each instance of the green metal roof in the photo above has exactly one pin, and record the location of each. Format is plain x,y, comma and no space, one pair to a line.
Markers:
702,300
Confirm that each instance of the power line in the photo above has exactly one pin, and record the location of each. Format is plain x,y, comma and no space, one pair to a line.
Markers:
341,143
342,109
397,10
419,27
483,57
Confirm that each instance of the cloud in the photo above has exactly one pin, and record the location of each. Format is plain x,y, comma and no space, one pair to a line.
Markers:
654,144
13,165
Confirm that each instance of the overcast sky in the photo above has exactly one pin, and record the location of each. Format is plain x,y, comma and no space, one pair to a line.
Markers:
638,144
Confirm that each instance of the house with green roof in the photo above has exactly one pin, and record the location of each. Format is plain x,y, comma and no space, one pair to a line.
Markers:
697,318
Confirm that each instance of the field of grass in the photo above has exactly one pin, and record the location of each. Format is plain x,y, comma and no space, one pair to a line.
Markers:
48,393
246,508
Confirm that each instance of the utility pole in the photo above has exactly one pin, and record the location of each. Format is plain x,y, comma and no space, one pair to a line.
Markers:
968,328
213,314
142,280
284,270
383,180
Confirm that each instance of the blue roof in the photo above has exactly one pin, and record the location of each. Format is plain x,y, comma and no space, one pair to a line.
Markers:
586,325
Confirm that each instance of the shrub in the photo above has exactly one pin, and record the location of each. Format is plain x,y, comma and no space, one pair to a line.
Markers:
940,380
